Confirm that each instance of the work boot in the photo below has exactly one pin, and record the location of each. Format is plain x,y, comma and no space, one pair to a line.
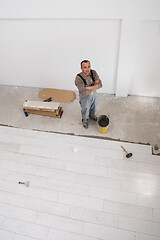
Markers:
85,124
93,118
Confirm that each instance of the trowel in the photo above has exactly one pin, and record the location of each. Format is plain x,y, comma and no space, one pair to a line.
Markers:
25,183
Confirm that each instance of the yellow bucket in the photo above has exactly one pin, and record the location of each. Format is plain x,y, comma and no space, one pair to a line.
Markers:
103,122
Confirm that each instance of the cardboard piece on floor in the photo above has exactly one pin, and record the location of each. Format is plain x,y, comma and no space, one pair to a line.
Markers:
57,95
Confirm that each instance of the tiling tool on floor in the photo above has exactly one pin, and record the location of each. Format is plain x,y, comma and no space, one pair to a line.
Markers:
25,183
128,154
48,99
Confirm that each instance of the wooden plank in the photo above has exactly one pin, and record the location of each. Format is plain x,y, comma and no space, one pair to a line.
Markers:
40,109
42,112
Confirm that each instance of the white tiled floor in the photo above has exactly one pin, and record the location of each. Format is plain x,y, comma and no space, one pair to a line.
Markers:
80,188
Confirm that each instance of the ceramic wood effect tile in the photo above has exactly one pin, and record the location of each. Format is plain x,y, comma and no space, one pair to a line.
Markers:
75,157
10,147
87,169
1,219
81,201
18,131
36,181
12,156
37,192
92,216
55,234
12,198
45,206
5,235
98,181
37,151
141,236
141,188
115,163
80,188
139,148
134,176
4,174
56,174
141,226
22,237
17,212
113,195
42,161
70,187
62,223
16,166
148,201
156,215
22,227
22,140
128,210
104,232
146,158
149,168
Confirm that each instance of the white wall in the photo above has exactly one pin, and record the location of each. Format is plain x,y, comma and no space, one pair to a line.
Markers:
42,43
146,78
47,53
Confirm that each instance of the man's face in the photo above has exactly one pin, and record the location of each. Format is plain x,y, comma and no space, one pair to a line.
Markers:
86,67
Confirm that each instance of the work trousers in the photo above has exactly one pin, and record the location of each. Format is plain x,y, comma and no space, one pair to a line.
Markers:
88,106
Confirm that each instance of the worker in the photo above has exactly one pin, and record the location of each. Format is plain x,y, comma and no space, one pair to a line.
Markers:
87,83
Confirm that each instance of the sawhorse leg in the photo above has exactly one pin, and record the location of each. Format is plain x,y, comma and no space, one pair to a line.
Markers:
25,113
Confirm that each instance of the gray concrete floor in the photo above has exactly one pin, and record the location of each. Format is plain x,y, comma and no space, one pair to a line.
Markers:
132,119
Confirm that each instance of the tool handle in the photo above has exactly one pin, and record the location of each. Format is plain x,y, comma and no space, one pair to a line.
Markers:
124,149
21,183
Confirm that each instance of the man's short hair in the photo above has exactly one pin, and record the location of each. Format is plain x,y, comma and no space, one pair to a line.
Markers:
84,61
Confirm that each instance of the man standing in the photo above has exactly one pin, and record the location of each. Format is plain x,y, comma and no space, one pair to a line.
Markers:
87,83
